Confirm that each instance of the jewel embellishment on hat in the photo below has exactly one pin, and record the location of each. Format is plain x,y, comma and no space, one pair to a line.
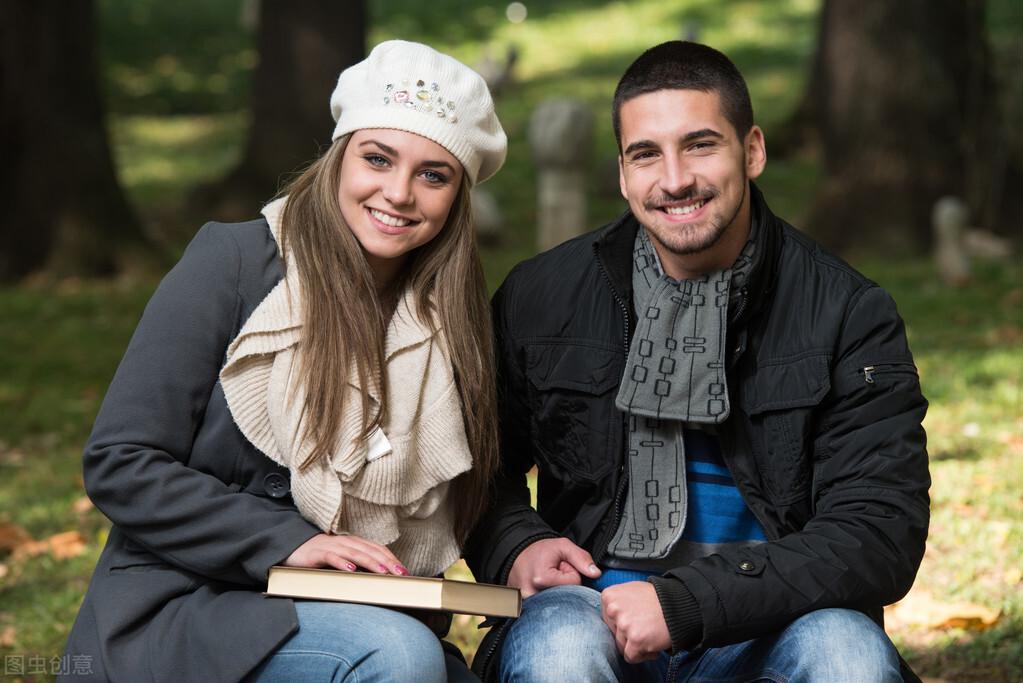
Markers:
411,87
421,98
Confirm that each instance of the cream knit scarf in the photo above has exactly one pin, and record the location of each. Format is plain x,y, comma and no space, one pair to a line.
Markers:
391,489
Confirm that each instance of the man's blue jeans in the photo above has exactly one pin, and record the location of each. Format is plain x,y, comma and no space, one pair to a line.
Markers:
339,641
561,637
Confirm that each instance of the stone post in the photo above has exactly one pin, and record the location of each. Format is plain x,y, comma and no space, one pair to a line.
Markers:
561,137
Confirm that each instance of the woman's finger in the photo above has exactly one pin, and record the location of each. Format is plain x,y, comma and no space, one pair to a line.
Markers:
371,561
371,556
338,562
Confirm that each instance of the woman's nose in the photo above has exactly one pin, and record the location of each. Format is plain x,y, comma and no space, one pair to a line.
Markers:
398,189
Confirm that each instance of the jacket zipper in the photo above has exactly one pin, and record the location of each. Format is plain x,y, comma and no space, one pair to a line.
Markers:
488,656
623,479
739,484
623,476
741,306
869,371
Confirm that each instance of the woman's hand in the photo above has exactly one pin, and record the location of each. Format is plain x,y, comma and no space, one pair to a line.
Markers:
347,553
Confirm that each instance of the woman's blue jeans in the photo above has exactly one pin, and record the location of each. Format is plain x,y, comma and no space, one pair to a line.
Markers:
561,637
339,641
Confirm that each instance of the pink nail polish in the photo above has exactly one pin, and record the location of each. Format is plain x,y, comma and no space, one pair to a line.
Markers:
351,567
400,570
383,568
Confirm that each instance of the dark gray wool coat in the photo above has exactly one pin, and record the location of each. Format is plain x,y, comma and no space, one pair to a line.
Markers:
199,515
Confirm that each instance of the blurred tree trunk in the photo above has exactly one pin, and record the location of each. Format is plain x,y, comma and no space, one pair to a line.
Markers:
64,209
902,101
303,46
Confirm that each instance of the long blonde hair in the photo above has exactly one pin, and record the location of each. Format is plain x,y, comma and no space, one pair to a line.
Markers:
345,321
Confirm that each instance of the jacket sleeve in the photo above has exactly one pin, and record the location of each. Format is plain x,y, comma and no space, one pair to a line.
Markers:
510,523
136,460
863,545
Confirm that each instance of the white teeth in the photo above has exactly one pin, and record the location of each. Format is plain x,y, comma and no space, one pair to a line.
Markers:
388,219
683,210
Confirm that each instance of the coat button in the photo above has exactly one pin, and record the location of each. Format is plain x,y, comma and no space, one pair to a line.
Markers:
276,485
747,566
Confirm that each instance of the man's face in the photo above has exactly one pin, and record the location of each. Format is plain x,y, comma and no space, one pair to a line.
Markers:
685,172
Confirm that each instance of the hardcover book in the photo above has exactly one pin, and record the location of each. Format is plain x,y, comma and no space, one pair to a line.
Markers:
391,590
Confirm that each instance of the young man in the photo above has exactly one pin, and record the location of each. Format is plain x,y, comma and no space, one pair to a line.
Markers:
725,419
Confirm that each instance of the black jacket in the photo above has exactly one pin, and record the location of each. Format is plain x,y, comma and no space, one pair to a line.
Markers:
824,440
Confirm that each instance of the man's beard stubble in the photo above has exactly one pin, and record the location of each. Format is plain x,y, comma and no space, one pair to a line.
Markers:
715,226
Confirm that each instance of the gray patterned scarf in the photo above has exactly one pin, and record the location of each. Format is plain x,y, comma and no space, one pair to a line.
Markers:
675,376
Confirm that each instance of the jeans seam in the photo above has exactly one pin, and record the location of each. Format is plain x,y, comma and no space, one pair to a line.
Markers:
352,674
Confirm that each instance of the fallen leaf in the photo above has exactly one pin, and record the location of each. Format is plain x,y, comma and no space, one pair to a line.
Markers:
66,545
82,505
61,546
1014,442
12,536
12,456
8,636
30,549
920,608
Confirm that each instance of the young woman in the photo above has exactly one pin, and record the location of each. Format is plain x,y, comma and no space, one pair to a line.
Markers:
314,389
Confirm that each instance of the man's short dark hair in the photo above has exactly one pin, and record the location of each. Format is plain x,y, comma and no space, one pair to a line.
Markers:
682,65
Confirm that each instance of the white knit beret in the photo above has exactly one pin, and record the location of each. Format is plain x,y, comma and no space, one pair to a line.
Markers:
412,87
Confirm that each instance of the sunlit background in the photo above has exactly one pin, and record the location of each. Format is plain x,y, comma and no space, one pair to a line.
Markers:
176,81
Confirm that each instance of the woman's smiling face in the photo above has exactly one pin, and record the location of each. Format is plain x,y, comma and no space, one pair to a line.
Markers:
396,192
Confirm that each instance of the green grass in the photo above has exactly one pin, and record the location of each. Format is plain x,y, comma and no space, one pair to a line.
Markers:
61,341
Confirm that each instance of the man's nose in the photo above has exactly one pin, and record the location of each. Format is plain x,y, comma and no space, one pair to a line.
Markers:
677,176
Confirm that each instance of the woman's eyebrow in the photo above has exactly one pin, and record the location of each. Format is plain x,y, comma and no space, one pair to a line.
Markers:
394,153
386,148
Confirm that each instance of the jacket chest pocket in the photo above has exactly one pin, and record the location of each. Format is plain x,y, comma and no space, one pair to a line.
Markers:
781,400
574,424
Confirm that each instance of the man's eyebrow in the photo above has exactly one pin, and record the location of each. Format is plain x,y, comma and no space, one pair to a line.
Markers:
638,145
702,133
394,153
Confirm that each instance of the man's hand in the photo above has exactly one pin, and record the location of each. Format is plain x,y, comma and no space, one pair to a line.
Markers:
633,613
550,562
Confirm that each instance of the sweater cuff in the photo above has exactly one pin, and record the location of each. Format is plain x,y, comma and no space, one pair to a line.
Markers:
681,612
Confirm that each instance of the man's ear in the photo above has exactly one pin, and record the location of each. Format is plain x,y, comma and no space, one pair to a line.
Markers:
756,152
621,178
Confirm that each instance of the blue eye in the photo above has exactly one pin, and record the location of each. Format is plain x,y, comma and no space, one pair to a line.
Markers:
435,178
375,160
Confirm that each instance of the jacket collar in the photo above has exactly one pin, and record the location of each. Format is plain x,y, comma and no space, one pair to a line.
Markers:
613,246
765,257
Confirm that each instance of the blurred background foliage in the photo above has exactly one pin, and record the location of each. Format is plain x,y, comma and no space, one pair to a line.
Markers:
176,80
